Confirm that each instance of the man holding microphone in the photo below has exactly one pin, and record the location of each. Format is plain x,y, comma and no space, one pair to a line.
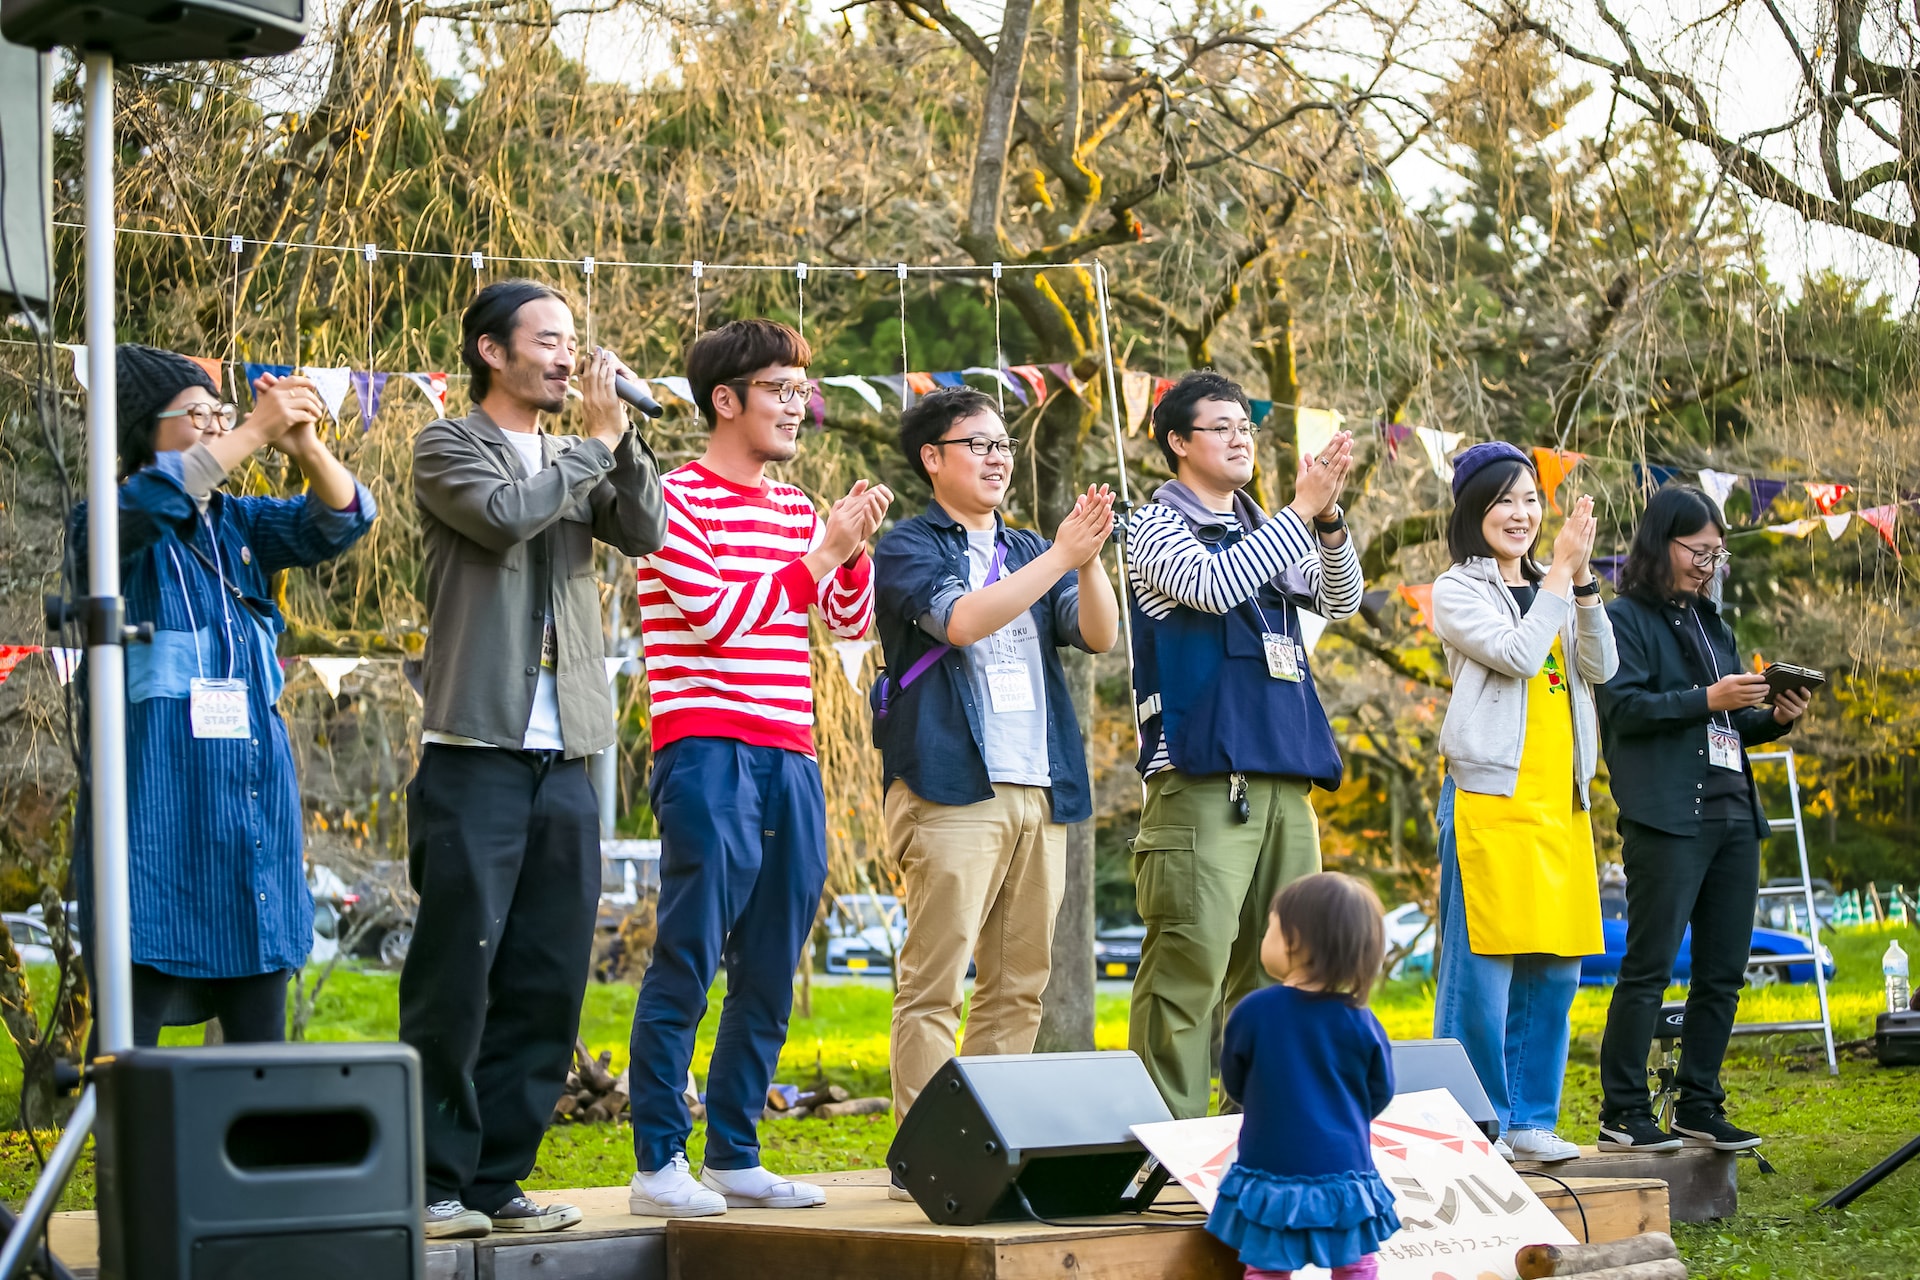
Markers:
503,834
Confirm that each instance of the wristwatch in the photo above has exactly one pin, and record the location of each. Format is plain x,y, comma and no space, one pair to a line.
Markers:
1591,589
1334,525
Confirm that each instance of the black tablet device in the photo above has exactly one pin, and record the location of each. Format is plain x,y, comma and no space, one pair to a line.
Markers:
1782,675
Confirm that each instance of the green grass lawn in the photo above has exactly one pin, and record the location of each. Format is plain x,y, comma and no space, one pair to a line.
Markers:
1823,1131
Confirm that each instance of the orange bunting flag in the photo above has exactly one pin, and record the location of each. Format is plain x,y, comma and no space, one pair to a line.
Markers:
1554,466
922,384
1825,496
12,655
1882,518
1421,598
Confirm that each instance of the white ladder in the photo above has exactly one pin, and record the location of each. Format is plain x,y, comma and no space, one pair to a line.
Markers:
1804,891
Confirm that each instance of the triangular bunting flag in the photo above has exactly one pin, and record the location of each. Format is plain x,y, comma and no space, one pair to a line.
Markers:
1764,491
1837,524
1396,434
368,388
254,372
1796,528
1421,598
1160,387
1064,373
1001,376
894,382
1882,519
949,380
1825,497
922,384
1555,465
1439,446
1031,375
857,385
65,662
1259,410
1647,477
214,369
79,350
678,388
333,385
1719,487
1136,392
613,667
331,670
1312,627
817,405
12,655
1314,428
435,385
853,655
1609,567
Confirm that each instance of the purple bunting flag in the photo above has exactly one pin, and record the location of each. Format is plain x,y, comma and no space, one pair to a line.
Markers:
368,387
1763,492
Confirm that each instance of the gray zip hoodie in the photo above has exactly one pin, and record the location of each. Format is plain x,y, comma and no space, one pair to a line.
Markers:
1492,651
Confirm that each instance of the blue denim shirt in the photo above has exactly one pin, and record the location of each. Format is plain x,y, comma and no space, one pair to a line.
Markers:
214,824
924,560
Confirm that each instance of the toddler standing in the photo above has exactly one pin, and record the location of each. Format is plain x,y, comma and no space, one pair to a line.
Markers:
1310,1066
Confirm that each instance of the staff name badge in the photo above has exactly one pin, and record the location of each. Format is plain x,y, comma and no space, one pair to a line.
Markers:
1723,747
218,708
1010,687
1283,660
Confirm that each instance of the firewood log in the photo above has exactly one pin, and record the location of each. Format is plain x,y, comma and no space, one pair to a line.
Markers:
1536,1261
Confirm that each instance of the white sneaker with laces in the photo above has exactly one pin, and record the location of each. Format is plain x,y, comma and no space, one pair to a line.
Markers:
1501,1149
1543,1145
756,1188
672,1192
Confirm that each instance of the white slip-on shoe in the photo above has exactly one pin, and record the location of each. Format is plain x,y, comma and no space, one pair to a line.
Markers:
1501,1149
756,1188
672,1192
1543,1145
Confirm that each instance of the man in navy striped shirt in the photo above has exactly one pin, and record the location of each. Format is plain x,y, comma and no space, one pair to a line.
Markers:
1233,736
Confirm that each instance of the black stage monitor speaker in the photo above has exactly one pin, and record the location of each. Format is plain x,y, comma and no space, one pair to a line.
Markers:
261,1162
158,30
990,1138
1419,1065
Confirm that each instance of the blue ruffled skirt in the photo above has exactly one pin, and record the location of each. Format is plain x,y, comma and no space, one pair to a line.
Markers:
1282,1224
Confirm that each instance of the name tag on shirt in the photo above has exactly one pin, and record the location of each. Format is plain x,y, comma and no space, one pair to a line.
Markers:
1010,686
1723,747
1283,660
218,708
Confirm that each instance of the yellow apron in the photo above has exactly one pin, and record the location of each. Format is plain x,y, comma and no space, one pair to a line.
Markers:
1526,861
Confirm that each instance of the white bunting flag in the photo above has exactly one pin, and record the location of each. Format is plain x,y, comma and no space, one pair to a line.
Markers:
853,655
1439,446
1796,528
1313,428
856,384
79,350
333,385
332,670
1837,524
1719,487
64,662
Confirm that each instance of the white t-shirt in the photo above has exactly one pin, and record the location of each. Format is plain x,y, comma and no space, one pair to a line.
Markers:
543,724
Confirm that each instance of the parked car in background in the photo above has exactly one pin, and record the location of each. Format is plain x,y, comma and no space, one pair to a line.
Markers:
375,916
1790,911
864,932
32,940
1760,972
1410,935
1116,948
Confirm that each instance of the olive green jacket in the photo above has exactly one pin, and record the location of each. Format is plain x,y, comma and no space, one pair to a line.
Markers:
502,548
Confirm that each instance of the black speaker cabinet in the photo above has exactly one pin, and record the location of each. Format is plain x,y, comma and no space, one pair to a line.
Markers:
1052,1127
1419,1065
244,1162
158,30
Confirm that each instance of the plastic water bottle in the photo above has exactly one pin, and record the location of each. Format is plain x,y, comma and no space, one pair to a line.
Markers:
1894,966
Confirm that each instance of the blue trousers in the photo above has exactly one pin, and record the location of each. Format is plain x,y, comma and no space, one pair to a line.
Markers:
1511,1012
743,858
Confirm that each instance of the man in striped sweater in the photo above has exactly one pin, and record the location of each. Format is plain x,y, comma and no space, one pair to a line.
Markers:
735,787
1233,737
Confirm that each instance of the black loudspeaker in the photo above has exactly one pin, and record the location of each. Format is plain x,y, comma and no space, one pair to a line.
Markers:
243,1162
1027,1135
158,30
1419,1065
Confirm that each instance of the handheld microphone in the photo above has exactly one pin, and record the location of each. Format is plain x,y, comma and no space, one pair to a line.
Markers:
634,396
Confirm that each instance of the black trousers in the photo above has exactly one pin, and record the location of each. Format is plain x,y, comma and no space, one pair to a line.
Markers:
504,850
1710,881
251,1010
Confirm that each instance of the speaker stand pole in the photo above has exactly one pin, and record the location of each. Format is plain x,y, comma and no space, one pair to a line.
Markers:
1872,1177
104,617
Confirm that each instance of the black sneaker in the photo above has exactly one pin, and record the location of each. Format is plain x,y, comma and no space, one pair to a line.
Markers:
1712,1129
1635,1133
522,1214
451,1220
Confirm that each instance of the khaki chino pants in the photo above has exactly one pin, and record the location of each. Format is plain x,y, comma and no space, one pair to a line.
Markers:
1204,884
982,881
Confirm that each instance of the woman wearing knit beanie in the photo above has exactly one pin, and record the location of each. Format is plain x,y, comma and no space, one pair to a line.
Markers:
221,914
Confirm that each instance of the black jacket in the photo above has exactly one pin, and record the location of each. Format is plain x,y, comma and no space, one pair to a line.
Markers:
1653,715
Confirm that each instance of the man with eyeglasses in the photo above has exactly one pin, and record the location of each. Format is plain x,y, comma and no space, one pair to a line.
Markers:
981,752
503,831
725,605
1233,736
221,916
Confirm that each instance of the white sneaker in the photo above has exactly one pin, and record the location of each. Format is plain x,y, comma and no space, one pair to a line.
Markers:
672,1192
1501,1149
756,1188
1543,1145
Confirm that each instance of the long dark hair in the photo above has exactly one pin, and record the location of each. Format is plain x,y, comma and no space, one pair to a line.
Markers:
1466,527
1675,511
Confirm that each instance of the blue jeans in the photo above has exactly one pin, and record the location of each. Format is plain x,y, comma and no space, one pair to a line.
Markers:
743,857
1511,1012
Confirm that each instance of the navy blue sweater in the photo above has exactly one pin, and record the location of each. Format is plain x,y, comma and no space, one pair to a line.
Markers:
1312,1072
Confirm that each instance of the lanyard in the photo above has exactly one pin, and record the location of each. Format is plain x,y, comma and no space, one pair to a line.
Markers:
186,595
1002,647
1215,548
1712,662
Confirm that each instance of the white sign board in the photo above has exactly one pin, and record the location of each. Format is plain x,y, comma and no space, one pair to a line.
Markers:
1464,1212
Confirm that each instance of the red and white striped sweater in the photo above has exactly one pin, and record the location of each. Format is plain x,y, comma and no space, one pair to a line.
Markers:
723,611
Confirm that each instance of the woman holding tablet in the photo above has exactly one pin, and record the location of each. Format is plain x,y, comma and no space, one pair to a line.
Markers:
1676,723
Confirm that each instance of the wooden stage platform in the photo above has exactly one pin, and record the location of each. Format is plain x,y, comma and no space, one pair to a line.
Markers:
1702,1185
862,1235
